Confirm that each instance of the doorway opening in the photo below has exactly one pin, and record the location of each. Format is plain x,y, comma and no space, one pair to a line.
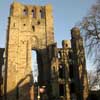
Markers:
34,66
61,90
72,91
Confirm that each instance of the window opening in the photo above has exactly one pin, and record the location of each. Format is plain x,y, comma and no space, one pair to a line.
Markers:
61,71
33,28
42,13
59,54
24,24
33,13
38,22
24,12
66,45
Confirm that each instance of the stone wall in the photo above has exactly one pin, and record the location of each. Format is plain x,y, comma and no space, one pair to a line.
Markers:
61,70
30,27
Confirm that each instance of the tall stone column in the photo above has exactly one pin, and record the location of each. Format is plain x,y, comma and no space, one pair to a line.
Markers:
81,81
66,47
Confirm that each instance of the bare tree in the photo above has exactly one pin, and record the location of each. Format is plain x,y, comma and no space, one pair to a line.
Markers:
93,80
90,28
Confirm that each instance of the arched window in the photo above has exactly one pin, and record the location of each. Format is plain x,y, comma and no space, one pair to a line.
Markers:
33,28
42,13
25,12
59,54
33,13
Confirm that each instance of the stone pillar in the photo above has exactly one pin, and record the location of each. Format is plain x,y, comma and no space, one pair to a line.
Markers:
54,72
66,47
81,81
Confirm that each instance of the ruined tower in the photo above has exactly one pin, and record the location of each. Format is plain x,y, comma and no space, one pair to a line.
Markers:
80,83
62,71
29,28
69,75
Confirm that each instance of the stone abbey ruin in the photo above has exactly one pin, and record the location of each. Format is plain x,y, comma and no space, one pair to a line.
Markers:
61,70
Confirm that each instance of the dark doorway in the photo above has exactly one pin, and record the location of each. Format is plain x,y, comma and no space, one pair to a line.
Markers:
72,91
61,90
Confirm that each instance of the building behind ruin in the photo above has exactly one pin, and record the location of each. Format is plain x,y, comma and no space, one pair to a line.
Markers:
61,70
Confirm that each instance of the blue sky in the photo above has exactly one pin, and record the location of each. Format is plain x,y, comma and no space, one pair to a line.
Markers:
66,14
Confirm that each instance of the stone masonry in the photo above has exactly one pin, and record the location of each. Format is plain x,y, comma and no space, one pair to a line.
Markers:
29,28
69,75
61,70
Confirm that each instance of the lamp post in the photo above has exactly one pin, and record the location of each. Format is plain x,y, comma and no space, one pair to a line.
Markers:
38,97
